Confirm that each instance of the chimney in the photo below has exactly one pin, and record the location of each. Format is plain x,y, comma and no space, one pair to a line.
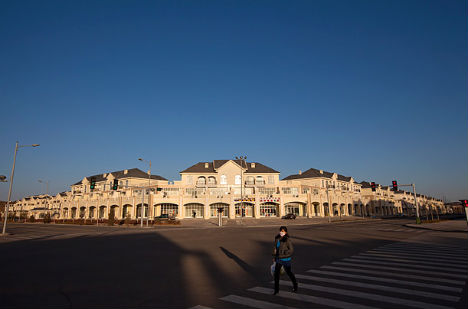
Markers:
125,172
321,171
252,165
206,165
300,172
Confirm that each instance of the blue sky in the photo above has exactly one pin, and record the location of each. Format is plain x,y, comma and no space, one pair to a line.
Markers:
376,90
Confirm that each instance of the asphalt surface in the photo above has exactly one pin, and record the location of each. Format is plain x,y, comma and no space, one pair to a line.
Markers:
362,264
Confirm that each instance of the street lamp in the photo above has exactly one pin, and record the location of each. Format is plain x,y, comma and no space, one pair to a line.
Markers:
142,192
47,192
11,183
242,159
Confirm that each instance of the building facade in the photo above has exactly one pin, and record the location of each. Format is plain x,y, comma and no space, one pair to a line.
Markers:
239,188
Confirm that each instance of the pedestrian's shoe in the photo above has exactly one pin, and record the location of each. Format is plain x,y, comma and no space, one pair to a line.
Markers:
275,292
294,288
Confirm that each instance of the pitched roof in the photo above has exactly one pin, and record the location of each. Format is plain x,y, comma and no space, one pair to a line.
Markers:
315,173
211,167
131,173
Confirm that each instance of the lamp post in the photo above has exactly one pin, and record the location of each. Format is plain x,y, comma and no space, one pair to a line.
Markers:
11,183
47,193
242,159
143,199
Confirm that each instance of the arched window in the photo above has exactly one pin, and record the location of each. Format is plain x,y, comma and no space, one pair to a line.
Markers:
260,180
211,180
201,181
237,180
250,180
223,180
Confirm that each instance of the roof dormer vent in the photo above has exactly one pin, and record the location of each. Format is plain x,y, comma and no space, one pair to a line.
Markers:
206,165
125,172
300,172
321,171
252,165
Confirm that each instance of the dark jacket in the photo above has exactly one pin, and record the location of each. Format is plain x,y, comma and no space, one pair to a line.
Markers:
285,249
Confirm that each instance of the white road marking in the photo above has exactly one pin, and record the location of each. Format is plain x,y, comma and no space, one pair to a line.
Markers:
402,282
374,297
394,274
409,261
312,299
433,273
378,262
417,256
253,302
381,288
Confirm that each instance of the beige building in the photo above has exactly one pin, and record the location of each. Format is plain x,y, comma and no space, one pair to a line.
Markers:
239,188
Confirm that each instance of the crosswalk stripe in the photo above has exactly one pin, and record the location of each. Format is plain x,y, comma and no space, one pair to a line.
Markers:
393,274
429,258
426,253
254,303
423,256
381,288
200,307
420,253
376,261
423,245
429,252
402,282
364,295
416,271
428,249
408,261
312,299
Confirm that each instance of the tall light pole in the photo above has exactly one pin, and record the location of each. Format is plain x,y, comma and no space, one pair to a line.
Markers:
11,183
143,199
47,192
242,159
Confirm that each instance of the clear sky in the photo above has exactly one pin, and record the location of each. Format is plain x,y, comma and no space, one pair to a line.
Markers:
376,90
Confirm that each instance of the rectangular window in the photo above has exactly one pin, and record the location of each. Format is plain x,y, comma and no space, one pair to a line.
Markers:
267,191
271,180
189,180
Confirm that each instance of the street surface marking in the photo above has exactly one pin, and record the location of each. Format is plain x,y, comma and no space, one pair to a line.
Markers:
200,307
402,282
253,302
422,246
378,262
413,256
426,251
381,288
312,299
408,261
421,253
435,273
428,258
364,295
426,248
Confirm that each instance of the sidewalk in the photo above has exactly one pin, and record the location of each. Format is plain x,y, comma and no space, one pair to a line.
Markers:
444,226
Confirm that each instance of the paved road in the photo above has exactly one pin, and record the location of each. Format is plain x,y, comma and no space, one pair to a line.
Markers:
377,264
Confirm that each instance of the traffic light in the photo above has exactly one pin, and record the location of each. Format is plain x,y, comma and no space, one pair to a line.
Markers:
464,203
115,186
395,186
372,184
92,186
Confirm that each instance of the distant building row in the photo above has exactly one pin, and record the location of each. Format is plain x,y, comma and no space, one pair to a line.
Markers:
239,188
